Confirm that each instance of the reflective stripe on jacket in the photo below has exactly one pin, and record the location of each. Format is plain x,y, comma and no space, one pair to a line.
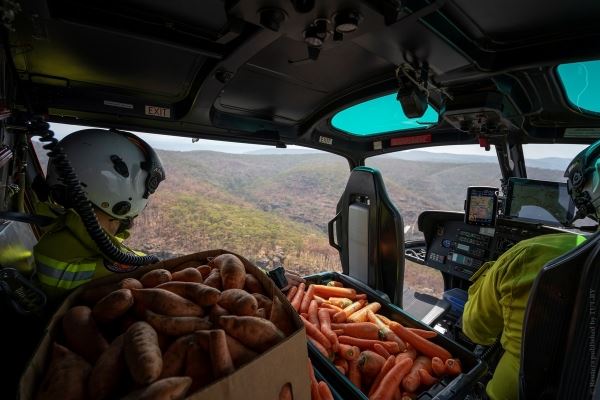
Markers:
66,256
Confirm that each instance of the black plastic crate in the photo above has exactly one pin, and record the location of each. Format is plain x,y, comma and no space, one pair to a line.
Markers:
448,388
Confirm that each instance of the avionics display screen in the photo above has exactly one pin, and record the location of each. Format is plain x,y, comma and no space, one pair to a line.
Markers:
539,201
481,206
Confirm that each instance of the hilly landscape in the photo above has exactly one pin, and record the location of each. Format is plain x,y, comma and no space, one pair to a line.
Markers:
274,208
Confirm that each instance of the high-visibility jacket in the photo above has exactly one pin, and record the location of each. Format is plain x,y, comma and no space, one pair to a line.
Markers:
66,256
498,298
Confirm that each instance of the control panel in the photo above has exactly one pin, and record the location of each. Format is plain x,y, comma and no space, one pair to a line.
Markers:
458,248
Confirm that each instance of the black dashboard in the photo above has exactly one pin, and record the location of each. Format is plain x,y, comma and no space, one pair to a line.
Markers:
459,249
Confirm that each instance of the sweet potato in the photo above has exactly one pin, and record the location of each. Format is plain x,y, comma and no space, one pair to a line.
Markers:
198,293
66,377
233,273
238,302
198,367
263,302
142,353
176,326
188,275
108,371
214,279
204,270
256,333
175,357
261,313
240,354
252,285
113,305
164,302
186,264
280,318
215,312
222,364
173,388
155,277
82,334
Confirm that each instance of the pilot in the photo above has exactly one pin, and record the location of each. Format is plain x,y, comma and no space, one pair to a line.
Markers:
118,172
498,297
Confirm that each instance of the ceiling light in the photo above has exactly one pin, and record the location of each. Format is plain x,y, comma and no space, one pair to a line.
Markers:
347,21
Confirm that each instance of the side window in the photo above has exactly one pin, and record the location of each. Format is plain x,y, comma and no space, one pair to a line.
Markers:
422,180
269,205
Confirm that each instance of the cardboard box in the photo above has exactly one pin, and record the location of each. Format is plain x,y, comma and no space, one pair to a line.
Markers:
262,378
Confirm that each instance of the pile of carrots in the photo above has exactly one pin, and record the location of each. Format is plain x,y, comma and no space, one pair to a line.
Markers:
381,357
164,335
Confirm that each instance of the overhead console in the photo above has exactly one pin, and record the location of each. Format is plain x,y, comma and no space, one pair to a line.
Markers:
459,243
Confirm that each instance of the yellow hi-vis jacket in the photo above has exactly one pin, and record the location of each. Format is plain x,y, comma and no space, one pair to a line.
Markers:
498,298
66,256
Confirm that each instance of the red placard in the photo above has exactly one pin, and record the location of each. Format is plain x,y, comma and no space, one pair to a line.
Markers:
406,140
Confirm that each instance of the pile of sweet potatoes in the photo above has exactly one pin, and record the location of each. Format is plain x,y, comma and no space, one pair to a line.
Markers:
382,358
164,335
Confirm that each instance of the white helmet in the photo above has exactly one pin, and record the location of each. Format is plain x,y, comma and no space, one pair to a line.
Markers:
117,170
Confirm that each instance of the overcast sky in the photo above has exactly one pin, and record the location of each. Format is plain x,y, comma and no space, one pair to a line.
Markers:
165,142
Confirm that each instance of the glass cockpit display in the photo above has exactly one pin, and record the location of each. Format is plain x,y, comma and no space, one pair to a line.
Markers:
481,206
539,201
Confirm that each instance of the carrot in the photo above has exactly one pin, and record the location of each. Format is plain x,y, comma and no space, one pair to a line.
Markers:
340,302
338,332
316,333
412,380
410,352
453,366
325,325
367,344
426,378
379,349
319,300
361,296
361,315
222,364
348,352
384,331
297,301
341,364
370,363
330,311
310,292
332,291
438,367
313,316
423,333
384,319
354,373
291,293
346,312
362,330
422,345
389,383
408,396
389,363
318,345
332,307
335,284
324,391
314,386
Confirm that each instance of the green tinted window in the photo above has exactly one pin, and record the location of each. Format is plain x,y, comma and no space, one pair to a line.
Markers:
380,115
582,84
